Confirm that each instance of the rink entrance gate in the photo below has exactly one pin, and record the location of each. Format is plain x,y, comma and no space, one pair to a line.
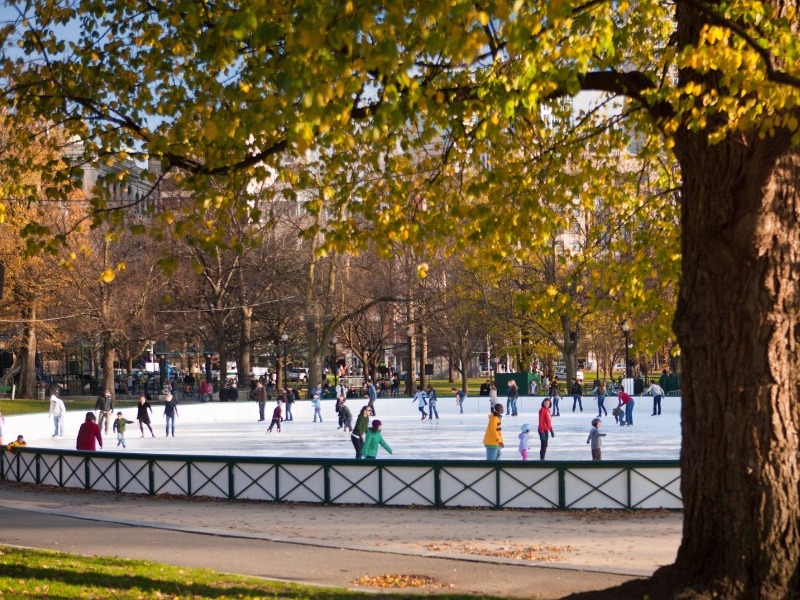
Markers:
441,484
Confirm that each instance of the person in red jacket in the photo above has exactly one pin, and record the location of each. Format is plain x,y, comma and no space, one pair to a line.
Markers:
626,400
545,427
88,434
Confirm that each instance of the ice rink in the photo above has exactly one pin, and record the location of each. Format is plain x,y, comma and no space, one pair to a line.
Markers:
231,428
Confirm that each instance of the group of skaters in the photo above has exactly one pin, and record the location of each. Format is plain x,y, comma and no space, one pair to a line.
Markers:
623,415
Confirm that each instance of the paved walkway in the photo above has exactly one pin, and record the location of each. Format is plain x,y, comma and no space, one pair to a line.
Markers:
540,554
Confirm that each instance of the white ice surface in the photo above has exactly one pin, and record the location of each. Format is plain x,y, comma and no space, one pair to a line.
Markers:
231,428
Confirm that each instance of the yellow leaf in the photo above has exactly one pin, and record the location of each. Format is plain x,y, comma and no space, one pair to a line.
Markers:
107,276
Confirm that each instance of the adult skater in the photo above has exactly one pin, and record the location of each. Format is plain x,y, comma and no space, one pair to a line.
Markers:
626,402
277,417
170,413
260,396
545,427
511,401
59,412
357,435
88,434
577,392
600,392
105,410
142,416
658,393
431,393
422,401
555,397
493,438
461,396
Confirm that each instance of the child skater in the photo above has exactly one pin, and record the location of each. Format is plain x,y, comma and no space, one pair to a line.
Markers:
374,439
119,427
524,444
595,440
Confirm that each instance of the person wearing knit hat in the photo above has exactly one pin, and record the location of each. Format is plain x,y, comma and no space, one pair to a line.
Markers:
524,443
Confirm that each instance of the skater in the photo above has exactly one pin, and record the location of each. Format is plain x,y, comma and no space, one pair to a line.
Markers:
105,408
119,428
170,412
422,401
492,394
369,391
618,413
461,395
524,442
493,438
577,392
600,391
58,411
339,403
346,417
374,439
317,409
88,434
290,400
626,401
555,397
545,427
260,396
277,417
595,439
142,416
431,393
357,435
511,401
658,393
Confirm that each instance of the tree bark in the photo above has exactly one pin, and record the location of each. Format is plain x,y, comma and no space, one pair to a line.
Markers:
27,374
739,330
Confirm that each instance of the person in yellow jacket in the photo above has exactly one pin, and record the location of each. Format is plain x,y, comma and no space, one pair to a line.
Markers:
493,439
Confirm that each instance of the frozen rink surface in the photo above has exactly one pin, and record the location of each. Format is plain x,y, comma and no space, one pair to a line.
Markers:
231,428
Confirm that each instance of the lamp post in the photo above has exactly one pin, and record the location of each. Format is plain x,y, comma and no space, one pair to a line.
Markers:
285,339
626,329
334,366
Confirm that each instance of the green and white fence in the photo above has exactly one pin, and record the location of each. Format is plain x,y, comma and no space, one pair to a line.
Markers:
441,484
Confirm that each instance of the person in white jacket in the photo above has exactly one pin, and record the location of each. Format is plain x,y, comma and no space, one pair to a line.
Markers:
57,411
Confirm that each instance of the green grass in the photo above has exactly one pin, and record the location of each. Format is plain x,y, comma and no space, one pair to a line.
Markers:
21,407
26,573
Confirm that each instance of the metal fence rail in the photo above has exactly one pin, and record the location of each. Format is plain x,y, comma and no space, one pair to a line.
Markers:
440,484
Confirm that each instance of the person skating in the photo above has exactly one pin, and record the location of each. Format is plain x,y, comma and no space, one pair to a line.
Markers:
555,397
524,441
600,391
431,393
362,423
545,427
422,401
277,417
577,392
119,428
658,393
627,403
493,438
89,434
105,408
170,413
596,440
461,396
317,408
260,396
513,396
374,439
142,415
59,412
346,416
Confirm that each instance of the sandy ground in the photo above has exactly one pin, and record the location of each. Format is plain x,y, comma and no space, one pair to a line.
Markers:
620,542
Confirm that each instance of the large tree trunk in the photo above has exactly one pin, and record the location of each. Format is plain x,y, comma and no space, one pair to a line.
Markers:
739,331
245,342
27,374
